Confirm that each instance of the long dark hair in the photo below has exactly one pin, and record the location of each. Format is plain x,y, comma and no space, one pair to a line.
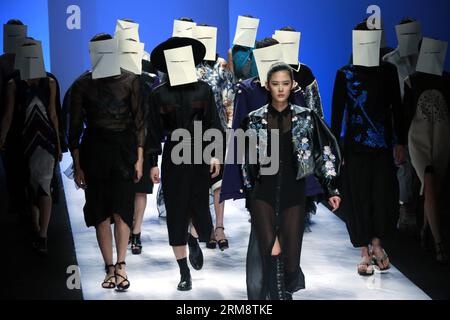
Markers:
277,67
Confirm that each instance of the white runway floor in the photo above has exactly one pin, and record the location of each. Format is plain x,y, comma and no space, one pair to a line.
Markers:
328,261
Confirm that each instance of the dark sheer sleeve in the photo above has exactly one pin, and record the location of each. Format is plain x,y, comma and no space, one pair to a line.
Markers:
398,110
154,131
338,104
211,112
58,109
76,112
327,156
138,111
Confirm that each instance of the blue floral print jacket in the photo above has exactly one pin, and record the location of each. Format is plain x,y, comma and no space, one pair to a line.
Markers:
316,150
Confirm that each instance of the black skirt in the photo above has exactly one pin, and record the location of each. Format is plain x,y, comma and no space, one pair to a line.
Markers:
145,185
186,196
369,195
277,211
107,159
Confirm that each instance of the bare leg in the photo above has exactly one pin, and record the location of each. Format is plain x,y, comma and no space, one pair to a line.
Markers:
35,219
180,252
140,203
364,267
219,208
121,235
365,252
45,211
276,249
379,253
192,231
104,239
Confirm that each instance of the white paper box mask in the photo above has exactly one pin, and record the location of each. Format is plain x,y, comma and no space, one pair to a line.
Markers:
265,58
11,33
290,44
408,36
366,48
183,29
127,30
207,36
246,32
30,61
18,61
104,58
130,55
432,56
180,65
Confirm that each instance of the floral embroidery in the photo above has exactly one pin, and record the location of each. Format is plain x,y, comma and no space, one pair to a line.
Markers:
329,160
321,160
371,134
304,152
222,84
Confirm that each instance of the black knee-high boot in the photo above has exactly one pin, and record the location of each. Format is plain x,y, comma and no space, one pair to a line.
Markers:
276,284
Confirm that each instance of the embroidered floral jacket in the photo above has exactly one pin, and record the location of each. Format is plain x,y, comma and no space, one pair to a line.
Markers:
316,150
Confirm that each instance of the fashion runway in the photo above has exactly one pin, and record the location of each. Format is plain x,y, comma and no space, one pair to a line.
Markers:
328,261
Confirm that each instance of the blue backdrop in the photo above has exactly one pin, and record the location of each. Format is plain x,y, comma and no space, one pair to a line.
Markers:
34,13
325,25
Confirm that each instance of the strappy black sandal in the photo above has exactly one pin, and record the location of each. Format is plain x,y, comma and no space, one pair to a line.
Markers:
223,243
125,283
212,244
109,282
136,245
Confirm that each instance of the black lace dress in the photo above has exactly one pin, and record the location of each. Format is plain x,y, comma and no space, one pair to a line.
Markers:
107,114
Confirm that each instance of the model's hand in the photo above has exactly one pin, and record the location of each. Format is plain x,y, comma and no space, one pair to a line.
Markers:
399,155
154,175
224,64
80,181
334,202
214,167
138,171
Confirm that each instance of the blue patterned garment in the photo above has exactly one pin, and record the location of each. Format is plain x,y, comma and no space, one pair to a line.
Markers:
222,83
371,133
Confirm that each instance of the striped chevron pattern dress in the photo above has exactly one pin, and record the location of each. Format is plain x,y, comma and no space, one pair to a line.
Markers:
38,137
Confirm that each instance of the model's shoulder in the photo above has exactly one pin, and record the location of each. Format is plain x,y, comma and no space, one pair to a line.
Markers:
259,113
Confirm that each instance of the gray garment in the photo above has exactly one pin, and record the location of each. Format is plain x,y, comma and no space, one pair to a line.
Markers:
405,174
406,66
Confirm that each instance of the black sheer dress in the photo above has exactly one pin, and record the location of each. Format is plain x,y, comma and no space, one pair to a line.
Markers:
108,115
278,210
